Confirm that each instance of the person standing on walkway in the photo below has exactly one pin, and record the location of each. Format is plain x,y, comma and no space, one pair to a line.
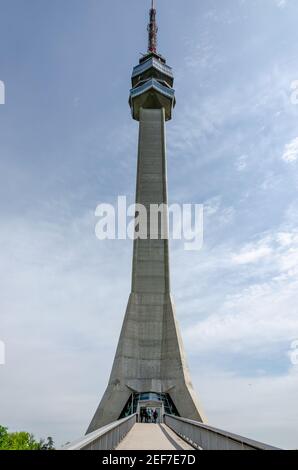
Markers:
155,416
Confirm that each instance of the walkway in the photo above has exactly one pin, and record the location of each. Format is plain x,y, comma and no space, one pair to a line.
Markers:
152,437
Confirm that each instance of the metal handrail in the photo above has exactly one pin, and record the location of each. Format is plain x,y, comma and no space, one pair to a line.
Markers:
152,83
152,62
105,438
205,437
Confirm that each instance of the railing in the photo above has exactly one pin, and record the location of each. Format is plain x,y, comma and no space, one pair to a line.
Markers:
152,83
105,438
204,437
138,69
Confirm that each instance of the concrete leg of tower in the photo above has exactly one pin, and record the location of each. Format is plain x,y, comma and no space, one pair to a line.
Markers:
150,355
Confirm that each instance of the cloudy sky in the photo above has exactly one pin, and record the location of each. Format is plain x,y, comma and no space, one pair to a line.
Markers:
67,143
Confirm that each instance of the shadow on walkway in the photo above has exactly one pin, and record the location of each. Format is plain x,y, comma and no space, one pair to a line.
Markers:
170,438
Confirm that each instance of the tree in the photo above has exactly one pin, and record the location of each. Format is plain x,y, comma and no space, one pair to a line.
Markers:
3,436
48,445
22,441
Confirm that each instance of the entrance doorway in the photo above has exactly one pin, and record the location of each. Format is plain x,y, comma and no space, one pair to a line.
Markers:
161,402
150,414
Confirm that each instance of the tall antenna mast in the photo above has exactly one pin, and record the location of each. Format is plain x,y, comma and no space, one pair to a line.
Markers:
152,29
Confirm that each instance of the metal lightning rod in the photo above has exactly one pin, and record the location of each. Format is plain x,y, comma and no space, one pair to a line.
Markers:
152,29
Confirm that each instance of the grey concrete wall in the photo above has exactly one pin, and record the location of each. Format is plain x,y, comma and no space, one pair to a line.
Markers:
151,257
150,354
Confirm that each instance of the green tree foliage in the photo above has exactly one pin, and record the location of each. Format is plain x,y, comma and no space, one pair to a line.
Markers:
22,441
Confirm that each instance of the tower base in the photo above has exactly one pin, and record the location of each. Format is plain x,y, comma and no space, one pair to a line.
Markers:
150,358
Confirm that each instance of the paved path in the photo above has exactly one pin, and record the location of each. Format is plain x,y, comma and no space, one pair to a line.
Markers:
152,437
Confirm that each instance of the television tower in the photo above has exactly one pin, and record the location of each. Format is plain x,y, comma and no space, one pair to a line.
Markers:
150,367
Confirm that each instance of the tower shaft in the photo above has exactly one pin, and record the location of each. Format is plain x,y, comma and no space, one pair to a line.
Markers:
151,255
150,355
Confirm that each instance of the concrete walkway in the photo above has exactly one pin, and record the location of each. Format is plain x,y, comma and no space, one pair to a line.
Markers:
152,437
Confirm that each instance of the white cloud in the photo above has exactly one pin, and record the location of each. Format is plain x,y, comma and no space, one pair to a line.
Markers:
281,3
241,163
212,206
262,311
290,154
251,254
260,407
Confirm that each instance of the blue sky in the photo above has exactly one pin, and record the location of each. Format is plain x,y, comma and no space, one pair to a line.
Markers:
67,143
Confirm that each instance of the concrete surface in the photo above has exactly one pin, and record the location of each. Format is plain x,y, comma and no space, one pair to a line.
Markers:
152,437
150,356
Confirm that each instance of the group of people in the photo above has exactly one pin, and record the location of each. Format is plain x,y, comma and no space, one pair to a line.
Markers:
148,415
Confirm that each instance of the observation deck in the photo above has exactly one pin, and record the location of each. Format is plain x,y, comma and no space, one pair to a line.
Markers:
152,86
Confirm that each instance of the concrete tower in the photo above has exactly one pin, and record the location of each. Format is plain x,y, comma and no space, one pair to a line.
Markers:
150,365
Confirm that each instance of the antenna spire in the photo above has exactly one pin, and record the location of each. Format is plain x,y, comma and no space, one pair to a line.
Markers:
152,29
